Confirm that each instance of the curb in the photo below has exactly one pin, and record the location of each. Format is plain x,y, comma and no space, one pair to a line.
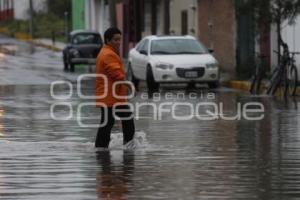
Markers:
240,85
245,86
41,44
28,38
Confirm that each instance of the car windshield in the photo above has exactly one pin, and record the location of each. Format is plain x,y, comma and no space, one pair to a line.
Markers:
87,39
177,46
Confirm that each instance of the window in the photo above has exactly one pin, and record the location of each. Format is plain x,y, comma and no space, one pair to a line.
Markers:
177,46
140,45
145,46
87,39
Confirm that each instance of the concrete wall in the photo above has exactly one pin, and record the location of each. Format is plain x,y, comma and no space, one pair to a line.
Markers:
96,15
4,5
21,8
290,34
176,8
217,30
148,18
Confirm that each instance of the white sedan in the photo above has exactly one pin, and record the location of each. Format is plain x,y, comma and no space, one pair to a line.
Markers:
172,59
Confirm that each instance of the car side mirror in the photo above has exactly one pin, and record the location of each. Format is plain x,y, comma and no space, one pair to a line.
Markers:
210,50
143,52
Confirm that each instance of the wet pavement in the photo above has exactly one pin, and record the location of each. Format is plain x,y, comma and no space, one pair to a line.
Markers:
22,63
47,154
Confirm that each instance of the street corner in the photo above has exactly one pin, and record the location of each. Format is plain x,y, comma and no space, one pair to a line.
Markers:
23,36
46,44
235,84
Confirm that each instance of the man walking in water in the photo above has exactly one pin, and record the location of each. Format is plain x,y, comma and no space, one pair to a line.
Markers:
110,69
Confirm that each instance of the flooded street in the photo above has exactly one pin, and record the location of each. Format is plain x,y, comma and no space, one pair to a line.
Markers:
22,63
46,153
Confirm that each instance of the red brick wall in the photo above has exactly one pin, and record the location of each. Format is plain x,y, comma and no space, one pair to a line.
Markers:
221,35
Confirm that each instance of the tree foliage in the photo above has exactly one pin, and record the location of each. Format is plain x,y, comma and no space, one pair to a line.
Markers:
59,7
267,12
273,11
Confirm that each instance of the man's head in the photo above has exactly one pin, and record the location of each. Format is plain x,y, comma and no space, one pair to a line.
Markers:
112,37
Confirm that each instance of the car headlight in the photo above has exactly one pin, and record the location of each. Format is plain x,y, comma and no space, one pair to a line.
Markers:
74,52
164,66
212,65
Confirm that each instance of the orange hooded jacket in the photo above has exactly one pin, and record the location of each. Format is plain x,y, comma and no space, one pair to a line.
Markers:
111,69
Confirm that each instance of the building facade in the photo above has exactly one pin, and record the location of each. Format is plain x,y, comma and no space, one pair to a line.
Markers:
22,7
233,35
19,9
78,14
6,9
290,34
135,18
218,31
184,17
219,24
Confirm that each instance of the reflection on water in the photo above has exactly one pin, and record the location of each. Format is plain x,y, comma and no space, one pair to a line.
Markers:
41,158
113,180
1,126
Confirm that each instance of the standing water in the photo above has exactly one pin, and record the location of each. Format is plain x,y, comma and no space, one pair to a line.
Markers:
44,158
47,152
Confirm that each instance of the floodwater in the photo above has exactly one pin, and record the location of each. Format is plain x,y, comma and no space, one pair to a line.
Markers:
46,158
46,153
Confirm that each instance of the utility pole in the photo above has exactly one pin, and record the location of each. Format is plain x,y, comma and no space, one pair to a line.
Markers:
278,26
66,22
31,19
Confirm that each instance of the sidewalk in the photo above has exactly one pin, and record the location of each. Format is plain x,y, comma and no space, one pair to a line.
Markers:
245,86
43,42
47,43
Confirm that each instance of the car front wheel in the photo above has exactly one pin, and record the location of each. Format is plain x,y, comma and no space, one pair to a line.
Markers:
152,85
131,77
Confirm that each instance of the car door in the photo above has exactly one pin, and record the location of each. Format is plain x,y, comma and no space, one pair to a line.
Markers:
142,60
135,57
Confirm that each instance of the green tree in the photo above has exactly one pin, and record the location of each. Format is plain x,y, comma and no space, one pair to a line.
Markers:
59,7
267,12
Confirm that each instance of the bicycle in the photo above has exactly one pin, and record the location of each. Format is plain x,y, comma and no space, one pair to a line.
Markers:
259,74
285,74
292,74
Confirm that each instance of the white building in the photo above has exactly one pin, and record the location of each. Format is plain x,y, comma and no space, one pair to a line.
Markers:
21,8
290,34
97,15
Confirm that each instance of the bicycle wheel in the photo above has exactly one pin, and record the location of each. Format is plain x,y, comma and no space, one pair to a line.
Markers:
292,78
274,82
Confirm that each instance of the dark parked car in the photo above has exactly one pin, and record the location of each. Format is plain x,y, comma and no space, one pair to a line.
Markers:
83,48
